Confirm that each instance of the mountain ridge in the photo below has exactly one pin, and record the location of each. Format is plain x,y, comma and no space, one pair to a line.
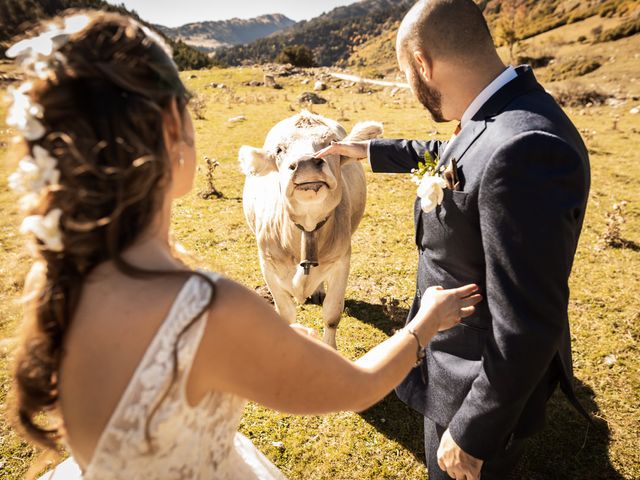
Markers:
209,35
332,35
18,16
335,37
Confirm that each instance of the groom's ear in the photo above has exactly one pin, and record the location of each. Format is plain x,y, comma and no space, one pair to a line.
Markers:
424,63
255,161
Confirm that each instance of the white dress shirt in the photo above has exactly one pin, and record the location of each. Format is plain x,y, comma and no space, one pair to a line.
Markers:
474,107
494,87
490,90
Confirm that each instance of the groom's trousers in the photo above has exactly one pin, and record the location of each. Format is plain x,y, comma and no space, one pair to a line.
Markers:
498,468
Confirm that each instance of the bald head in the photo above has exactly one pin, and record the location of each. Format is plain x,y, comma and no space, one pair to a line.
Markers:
452,30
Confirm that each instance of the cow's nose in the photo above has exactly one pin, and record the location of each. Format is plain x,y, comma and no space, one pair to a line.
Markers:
306,163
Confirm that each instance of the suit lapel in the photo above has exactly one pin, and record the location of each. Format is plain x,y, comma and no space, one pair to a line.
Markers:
457,149
525,82
463,141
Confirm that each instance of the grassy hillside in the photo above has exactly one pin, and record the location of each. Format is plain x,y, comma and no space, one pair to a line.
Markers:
617,62
376,57
533,17
385,442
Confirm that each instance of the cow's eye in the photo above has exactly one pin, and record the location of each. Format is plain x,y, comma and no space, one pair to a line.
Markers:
279,150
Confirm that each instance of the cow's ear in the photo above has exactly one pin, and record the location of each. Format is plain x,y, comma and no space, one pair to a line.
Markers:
255,161
362,131
365,131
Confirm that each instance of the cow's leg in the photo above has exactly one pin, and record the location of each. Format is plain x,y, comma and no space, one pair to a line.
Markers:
318,296
334,302
284,303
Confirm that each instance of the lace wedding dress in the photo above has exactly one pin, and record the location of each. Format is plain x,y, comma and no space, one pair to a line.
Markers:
188,442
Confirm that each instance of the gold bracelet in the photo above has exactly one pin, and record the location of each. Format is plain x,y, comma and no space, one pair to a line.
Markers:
421,353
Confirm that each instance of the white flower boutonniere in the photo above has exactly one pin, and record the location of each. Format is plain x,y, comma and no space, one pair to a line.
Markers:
431,192
430,183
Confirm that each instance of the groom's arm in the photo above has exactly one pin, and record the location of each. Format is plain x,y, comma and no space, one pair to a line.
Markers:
400,156
532,195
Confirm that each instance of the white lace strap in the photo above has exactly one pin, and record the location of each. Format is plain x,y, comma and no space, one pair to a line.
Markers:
198,297
195,296
150,378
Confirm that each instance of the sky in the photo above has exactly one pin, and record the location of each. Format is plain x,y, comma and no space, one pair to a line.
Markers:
173,13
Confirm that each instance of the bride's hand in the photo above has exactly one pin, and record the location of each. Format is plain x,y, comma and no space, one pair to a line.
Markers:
301,329
445,308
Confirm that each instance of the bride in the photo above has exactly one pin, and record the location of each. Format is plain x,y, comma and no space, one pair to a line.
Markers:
139,365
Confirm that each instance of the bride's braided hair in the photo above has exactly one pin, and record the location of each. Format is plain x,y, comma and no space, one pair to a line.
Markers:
103,101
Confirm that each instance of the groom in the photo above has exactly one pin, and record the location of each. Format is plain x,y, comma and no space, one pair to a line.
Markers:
510,222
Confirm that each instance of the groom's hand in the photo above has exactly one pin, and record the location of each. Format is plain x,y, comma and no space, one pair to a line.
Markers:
456,462
346,149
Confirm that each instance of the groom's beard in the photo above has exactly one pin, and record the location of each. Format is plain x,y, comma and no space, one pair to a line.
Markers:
429,97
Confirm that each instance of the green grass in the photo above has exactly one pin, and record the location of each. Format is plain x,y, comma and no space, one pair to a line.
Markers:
386,441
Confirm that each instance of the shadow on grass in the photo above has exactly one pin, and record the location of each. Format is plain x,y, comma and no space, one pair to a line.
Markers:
390,416
628,245
399,423
387,318
568,448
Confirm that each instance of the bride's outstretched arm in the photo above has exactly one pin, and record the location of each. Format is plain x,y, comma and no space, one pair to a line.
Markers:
248,350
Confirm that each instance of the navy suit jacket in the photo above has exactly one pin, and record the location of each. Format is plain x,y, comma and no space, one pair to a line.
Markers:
513,229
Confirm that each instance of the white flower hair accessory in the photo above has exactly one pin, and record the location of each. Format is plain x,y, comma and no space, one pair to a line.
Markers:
35,172
24,114
46,229
35,53
154,37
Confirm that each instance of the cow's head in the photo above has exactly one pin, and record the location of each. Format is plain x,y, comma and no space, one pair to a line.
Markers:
288,152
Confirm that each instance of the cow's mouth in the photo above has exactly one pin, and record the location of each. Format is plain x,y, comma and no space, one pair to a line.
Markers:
315,186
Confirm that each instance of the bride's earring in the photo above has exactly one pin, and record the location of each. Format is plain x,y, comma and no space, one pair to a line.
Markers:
180,158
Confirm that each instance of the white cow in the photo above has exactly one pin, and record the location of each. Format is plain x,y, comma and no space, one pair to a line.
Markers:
304,211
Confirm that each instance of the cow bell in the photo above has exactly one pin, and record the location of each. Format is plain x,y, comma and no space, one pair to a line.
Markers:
309,247
309,251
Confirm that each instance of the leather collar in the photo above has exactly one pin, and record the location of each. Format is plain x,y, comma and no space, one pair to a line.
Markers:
318,226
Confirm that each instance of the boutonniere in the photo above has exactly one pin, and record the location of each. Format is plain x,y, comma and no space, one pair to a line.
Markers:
432,181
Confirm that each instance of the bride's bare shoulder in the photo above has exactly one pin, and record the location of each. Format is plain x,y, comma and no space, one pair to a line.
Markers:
233,298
